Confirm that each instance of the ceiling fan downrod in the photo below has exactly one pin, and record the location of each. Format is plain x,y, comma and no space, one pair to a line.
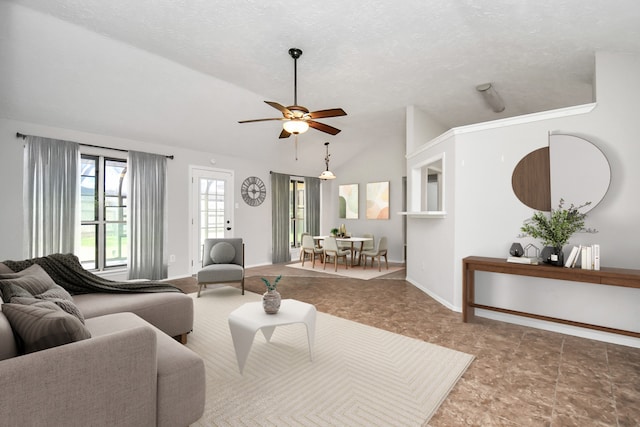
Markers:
295,53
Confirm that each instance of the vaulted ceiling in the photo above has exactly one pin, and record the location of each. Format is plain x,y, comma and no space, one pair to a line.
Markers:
372,58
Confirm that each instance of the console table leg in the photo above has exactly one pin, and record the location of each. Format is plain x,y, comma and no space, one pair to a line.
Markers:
468,293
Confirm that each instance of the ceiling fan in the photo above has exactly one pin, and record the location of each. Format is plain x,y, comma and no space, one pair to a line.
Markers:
296,118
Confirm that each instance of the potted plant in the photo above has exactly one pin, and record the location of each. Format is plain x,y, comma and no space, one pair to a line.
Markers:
555,229
271,299
334,232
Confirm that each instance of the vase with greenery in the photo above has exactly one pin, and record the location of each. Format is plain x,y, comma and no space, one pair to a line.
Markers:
334,232
555,229
271,299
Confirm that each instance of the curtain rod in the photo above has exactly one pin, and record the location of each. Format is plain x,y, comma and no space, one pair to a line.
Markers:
23,136
293,174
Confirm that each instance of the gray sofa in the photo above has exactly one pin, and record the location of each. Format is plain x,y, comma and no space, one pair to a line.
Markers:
129,372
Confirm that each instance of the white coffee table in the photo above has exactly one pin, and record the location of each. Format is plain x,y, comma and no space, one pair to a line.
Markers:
245,321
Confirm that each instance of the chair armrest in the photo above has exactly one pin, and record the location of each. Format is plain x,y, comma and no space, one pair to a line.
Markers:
103,381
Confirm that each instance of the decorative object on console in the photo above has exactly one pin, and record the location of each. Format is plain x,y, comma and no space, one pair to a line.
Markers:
253,191
532,251
271,299
516,250
555,229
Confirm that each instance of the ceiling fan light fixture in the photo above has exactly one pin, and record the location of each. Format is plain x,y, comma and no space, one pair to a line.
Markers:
491,97
327,174
295,126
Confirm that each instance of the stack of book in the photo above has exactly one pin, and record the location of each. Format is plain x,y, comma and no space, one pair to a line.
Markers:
586,256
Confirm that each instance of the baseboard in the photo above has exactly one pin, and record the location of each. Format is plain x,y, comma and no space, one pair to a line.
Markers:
560,328
434,296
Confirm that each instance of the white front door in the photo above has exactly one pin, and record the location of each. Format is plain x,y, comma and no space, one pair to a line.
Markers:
211,209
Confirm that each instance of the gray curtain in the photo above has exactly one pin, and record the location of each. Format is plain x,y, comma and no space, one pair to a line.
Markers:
312,203
280,217
51,196
147,216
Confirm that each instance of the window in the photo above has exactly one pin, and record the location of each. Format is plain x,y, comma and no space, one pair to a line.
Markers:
296,212
103,235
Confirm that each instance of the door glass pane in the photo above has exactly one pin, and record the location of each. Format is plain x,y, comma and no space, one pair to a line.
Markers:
212,215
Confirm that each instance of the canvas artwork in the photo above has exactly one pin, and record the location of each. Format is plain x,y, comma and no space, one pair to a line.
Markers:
348,201
378,200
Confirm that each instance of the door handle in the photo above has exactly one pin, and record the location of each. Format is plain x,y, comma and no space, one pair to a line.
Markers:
228,228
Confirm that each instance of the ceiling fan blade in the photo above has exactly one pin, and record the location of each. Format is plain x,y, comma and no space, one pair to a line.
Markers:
284,110
333,112
260,120
324,128
284,134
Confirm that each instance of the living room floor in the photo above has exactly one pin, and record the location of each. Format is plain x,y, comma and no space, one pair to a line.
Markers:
521,376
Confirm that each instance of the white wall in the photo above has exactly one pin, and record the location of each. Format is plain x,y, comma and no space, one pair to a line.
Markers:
488,215
253,224
382,161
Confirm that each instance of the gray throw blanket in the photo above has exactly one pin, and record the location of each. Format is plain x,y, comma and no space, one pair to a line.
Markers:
66,271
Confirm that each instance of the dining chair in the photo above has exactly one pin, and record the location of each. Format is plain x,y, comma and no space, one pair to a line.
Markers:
309,247
366,246
331,250
379,251
301,239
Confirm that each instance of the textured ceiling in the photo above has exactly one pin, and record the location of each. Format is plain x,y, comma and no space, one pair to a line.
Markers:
374,58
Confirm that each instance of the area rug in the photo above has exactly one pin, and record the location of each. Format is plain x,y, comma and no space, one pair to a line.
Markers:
359,376
353,272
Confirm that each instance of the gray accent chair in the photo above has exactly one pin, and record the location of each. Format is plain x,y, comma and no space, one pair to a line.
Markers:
222,262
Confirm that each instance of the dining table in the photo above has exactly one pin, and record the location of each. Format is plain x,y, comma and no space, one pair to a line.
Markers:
352,240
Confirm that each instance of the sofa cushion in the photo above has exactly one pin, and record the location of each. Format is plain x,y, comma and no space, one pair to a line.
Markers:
37,283
170,312
223,253
181,371
42,325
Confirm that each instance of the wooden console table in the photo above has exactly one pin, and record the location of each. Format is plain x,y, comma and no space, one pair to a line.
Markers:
604,276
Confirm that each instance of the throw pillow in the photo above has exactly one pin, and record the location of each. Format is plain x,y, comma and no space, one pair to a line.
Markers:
4,269
38,284
223,253
40,327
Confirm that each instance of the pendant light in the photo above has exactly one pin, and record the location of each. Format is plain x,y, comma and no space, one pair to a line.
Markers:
327,174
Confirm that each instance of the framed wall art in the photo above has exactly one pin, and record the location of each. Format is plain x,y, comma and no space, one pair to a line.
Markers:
378,200
348,201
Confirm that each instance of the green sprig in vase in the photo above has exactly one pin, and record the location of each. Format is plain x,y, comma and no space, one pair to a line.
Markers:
555,229
271,299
